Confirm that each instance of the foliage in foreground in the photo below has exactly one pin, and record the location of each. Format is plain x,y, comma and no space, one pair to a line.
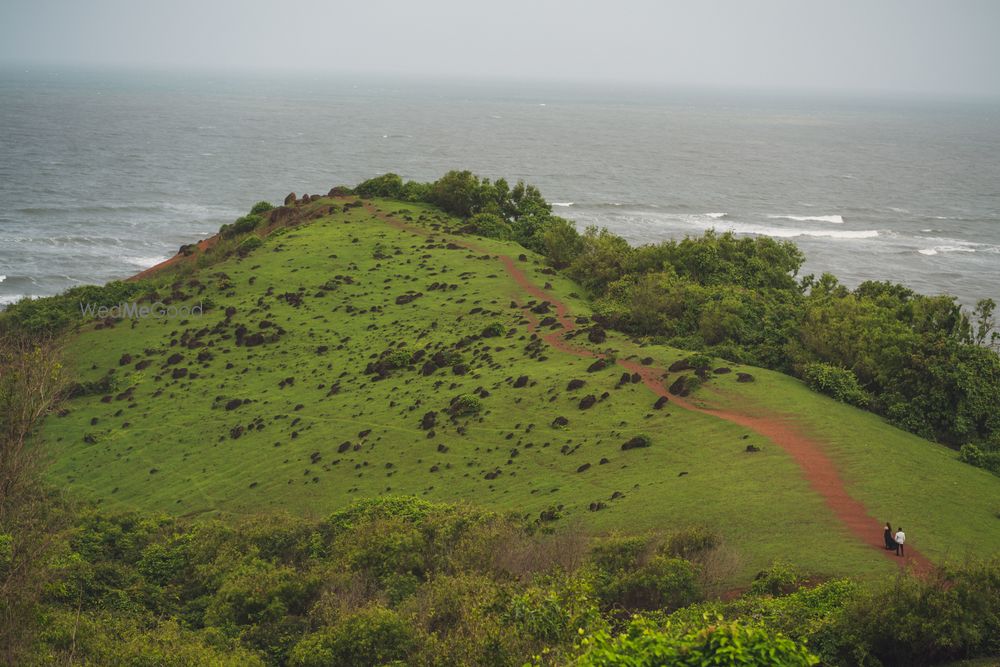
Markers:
399,579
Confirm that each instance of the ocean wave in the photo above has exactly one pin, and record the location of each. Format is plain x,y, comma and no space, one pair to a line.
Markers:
562,203
196,210
3,278
716,216
7,299
145,262
945,248
835,219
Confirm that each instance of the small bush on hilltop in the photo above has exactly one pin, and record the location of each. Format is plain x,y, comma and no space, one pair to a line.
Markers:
836,382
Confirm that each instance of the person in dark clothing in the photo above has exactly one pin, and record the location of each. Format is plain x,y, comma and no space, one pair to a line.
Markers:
890,541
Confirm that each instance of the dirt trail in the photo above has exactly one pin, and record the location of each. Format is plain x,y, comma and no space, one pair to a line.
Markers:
817,468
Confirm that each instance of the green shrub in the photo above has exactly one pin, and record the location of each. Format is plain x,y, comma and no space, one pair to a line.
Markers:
494,330
373,636
491,226
248,245
388,185
261,207
664,583
466,405
690,543
779,579
836,382
716,643
243,225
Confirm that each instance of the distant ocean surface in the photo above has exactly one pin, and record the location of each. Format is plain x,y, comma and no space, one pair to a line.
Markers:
104,174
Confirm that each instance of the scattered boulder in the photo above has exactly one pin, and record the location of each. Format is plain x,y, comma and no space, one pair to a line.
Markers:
598,365
752,448
638,442
597,335
587,402
744,377
560,422
681,365
574,385
521,381
585,467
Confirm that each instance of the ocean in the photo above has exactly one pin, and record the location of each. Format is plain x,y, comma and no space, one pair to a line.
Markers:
106,173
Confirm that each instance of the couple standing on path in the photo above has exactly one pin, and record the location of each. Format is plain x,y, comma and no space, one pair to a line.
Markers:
894,542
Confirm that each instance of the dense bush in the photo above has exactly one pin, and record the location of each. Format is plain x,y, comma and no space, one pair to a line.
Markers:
261,207
52,315
715,642
836,382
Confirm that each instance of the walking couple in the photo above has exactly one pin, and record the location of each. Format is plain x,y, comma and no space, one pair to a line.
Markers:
894,542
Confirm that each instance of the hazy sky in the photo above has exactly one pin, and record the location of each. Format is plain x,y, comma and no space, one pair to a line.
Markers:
946,46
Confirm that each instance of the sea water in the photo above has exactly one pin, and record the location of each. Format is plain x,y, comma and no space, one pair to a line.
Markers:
104,173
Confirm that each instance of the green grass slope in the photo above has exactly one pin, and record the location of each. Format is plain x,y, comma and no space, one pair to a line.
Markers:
313,430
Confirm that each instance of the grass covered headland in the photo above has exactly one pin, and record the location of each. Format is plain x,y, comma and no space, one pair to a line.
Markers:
426,424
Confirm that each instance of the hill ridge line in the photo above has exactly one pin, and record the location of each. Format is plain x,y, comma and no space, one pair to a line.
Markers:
817,468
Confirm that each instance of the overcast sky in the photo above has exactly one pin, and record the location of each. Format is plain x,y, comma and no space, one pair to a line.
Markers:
947,46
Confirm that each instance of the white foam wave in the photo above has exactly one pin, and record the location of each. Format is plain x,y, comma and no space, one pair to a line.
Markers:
716,215
3,278
144,262
835,219
562,203
945,248
7,299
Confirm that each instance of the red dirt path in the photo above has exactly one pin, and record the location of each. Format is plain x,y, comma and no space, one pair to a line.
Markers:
817,468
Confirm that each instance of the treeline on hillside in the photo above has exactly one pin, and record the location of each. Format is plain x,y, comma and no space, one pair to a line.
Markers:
923,362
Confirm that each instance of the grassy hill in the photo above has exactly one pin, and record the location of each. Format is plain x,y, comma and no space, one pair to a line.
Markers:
351,357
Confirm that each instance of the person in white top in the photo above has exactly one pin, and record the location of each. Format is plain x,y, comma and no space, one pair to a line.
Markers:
900,539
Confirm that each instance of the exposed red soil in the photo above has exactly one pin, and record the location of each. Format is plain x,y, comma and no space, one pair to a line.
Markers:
203,245
817,468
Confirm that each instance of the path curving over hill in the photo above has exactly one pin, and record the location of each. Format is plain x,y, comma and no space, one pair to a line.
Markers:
817,467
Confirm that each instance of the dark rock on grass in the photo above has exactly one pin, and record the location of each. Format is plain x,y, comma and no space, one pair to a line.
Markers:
175,358
521,381
460,369
680,386
125,359
626,378
429,420
647,361
682,473
722,370
681,365
142,365
493,474
584,468
542,308
636,378
548,322
442,448
616,495
428,368
598,365
409,297
597,335
660,402
234,403
522,258
550,514
752,448
604,461
587,402
365,433
575,384
253,339
744,377
638,442
179,373
204,356
236,431
597,507
560,421
343,447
